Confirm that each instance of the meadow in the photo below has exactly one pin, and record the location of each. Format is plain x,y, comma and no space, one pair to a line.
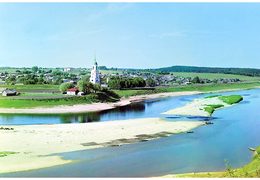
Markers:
49,95
191,87
212,76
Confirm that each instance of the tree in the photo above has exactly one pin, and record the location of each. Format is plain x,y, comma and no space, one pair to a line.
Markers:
41,80
119,83
11,80
85,78
195,80
30,79
65,86
85,86
58,80
35,69
150,82
96,87
114,83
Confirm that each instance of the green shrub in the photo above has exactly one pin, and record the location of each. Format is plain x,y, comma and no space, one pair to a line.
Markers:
212,96
216,106
6,153
232,99
212,107
209,109
65,86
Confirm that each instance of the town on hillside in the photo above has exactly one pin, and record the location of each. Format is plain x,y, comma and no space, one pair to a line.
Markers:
70,78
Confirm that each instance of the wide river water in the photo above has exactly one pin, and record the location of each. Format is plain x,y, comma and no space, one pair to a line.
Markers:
209,148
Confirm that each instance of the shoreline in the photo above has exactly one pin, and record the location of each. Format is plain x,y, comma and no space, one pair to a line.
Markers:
195,175
197,107
41,143
96,107
37,146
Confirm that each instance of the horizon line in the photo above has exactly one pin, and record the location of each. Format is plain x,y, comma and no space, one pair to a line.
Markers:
131,67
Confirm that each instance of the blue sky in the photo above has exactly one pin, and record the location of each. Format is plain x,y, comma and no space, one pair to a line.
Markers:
134,35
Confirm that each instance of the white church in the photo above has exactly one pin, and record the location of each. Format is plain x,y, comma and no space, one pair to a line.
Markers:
95,76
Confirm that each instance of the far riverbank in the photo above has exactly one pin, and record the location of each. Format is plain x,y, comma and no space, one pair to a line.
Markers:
96,107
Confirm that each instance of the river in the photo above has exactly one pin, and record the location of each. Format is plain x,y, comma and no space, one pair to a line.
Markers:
209,148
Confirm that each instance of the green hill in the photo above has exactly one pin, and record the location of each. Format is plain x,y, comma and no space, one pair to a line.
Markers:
239,71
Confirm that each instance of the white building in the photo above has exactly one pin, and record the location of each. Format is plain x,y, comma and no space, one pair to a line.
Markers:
67,69
95,76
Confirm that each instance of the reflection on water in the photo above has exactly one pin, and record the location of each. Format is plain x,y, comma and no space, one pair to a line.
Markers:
234,129
117,113
7,118
84,118
97,116
146,109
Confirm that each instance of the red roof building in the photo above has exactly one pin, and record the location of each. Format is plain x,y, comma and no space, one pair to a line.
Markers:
72,91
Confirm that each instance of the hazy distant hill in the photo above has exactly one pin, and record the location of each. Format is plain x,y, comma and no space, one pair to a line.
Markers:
240,71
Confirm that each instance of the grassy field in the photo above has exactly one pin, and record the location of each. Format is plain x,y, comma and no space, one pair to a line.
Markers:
202,88
30,103
49,95
212,76
24,88
46,96
36,101
252,169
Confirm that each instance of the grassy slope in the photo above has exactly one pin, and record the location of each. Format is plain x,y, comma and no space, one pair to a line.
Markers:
46,96
31,87
202,88
252,169
30,103
212,76
33,96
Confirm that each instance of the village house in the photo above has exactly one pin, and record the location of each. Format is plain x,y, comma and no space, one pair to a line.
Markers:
68,69
73,91
9,92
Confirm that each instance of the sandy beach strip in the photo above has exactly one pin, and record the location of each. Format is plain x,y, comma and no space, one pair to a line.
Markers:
83,108
196,107
35,144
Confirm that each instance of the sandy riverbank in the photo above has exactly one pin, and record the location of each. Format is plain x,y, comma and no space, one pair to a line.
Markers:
34,144
82,108
196,107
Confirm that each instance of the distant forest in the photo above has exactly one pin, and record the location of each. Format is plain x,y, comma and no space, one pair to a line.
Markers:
240,71
195,69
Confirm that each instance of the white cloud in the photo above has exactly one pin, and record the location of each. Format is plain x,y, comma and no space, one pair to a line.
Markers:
177,34
110,9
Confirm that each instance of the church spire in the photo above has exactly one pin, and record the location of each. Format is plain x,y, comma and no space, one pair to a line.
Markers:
95,77
95,59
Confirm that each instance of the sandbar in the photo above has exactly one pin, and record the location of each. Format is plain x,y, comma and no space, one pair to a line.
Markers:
196,107
37,145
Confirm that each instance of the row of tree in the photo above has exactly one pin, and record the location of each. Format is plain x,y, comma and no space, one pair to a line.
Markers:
32,79
125,83
239,71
